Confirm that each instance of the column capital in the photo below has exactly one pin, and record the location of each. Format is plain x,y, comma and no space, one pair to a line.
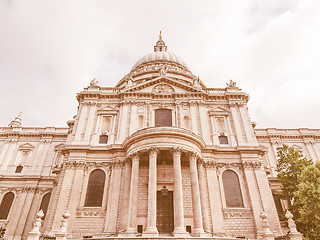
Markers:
193,156
153,150
134,156
177,150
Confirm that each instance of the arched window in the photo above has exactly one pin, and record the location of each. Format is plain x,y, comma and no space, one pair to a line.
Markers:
232,189
44,204
163,118
6,205
95,189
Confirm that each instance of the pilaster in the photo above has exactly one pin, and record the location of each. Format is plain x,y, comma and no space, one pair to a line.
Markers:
75,195
80,128
64,197
89,124
113,198
236,122
254,196
24,212
215,199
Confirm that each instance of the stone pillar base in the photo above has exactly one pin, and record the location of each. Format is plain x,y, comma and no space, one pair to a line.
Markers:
268,236
199,233
151,232
180,232
61,236
128,234
295,236
33,236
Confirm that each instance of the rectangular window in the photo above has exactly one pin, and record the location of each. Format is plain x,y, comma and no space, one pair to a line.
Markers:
163,118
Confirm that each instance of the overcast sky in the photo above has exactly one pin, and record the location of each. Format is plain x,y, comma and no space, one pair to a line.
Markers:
50,50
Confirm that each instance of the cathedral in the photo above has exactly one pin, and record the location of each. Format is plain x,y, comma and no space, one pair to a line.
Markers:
160,155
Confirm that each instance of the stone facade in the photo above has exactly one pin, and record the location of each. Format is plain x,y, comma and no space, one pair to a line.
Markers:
160,136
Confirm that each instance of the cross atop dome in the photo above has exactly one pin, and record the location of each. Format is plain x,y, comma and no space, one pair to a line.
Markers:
160,45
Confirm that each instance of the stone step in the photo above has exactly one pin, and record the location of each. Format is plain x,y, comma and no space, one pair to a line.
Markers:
162,238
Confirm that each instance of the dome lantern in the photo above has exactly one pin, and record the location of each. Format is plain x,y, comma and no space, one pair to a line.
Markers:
160,45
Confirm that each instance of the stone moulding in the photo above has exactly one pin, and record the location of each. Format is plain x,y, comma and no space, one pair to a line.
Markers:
163,137
237,213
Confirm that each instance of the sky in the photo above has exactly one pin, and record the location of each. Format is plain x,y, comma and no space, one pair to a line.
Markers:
51,50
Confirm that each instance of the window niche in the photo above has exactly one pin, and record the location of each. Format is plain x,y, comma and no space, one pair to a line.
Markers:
232,190
223,140
23,156
186,122
220,125
18,169
163,118
103,139
95,189
140,121
6,204
105,128
44,204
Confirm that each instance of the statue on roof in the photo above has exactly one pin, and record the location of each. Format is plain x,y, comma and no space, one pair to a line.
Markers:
94,82
163,70
232,84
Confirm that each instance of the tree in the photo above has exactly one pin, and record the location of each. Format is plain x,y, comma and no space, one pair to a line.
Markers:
307,198
291,166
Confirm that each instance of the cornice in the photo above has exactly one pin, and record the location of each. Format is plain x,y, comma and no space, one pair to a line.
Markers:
39,133
25,189
274,134
228,165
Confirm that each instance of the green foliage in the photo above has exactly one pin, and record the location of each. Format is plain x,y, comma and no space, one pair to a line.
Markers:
300,180
290,165
307,198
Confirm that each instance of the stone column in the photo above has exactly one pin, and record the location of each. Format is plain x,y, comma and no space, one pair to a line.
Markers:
196,204
179,228
203,196
133,199
152,230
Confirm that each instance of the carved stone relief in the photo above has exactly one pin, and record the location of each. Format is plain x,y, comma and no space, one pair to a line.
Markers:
163,88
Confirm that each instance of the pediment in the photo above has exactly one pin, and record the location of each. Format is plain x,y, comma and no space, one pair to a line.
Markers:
59,147
26,146
164,84
107,110
218,111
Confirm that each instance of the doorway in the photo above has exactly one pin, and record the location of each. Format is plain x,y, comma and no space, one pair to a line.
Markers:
165,224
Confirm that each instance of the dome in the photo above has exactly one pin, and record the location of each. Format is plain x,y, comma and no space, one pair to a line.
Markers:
160,54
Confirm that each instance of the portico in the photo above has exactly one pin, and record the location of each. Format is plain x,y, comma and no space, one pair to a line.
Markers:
167,154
